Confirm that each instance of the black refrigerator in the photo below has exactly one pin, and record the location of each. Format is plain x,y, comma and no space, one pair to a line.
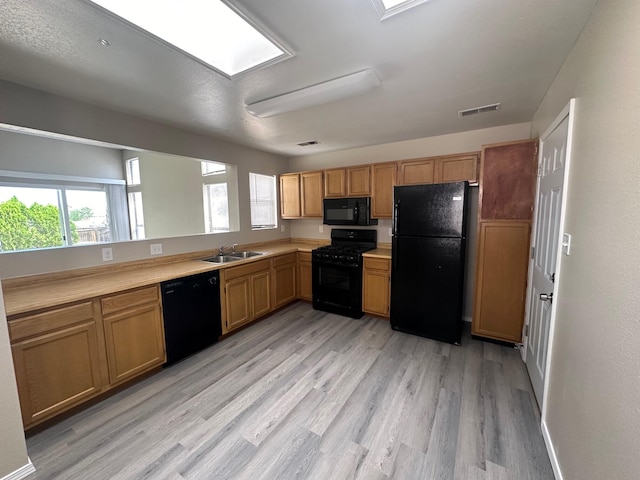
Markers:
428,259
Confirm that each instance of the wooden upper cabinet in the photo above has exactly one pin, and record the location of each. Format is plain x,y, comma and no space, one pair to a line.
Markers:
417,171
301,194
311,194
507,180
335,182
290,195
347,182
359,181
383,179
457,168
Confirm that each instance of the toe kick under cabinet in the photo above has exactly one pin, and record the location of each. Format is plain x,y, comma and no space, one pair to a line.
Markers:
67,354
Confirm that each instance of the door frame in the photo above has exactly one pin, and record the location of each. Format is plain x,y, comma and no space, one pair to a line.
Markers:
567,111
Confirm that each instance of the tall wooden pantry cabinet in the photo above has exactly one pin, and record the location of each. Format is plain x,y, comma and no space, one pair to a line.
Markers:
505,211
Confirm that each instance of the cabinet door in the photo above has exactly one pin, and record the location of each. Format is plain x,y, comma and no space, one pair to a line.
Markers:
284,282
376,286
358,181
57,370
135,341
335,182
311,194
503,257
508,181
383,179
304,276
237,301
260,294
290,196
457,169
416,172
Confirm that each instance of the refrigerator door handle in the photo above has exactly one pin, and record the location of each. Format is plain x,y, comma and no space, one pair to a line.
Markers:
396,211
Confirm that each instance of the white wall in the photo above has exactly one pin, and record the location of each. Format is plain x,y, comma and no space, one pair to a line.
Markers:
34,109
593,413
29,153
13,450
470,141
171,195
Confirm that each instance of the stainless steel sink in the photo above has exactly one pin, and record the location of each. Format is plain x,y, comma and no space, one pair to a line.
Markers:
222,259
245,254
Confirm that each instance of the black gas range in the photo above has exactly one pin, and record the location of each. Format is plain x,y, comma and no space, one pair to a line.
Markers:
337,271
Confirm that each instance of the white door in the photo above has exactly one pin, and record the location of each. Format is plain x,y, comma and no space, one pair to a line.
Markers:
544,267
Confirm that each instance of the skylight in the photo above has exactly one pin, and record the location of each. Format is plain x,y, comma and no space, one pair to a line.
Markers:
387,8
212,31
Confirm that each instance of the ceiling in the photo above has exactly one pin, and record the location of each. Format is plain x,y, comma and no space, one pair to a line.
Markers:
433,60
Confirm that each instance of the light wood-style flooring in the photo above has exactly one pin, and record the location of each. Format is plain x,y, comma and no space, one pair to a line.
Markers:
311,395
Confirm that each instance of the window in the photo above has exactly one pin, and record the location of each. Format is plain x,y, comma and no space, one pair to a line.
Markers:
262,193
388,8
41,213
134,197
217,178
136,216
209,30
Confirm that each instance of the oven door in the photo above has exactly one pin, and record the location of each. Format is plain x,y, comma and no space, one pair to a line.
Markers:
337,288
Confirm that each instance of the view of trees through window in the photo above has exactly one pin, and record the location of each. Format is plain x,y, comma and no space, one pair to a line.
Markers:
40,217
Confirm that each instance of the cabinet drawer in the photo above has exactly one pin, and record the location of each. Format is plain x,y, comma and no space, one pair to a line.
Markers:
284,259
248,269
376,263
304,256
129,299
50,320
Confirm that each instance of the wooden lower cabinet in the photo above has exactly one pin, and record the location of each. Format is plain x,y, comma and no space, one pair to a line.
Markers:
246,294
376,285
134,333
501,280
57,360
284,279
305,275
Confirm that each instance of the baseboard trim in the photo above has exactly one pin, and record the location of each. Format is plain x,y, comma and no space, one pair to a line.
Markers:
22,472
551,451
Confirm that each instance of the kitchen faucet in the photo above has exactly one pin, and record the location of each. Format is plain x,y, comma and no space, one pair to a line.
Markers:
232,247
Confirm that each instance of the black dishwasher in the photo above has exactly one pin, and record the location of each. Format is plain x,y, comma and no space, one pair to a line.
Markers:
191,312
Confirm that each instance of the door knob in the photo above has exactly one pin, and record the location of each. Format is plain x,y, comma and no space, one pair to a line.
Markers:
546,297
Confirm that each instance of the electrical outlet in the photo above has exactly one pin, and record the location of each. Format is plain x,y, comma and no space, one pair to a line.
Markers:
320,229
282,228
390,232
156,248
107,254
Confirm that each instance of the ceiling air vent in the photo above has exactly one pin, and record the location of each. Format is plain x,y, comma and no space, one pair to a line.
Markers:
306,144
474,111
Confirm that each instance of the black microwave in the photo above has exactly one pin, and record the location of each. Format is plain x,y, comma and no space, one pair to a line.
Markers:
348,211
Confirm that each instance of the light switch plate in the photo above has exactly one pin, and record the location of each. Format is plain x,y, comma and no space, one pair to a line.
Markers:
107,254
282,228
156,248
320,229
566,243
